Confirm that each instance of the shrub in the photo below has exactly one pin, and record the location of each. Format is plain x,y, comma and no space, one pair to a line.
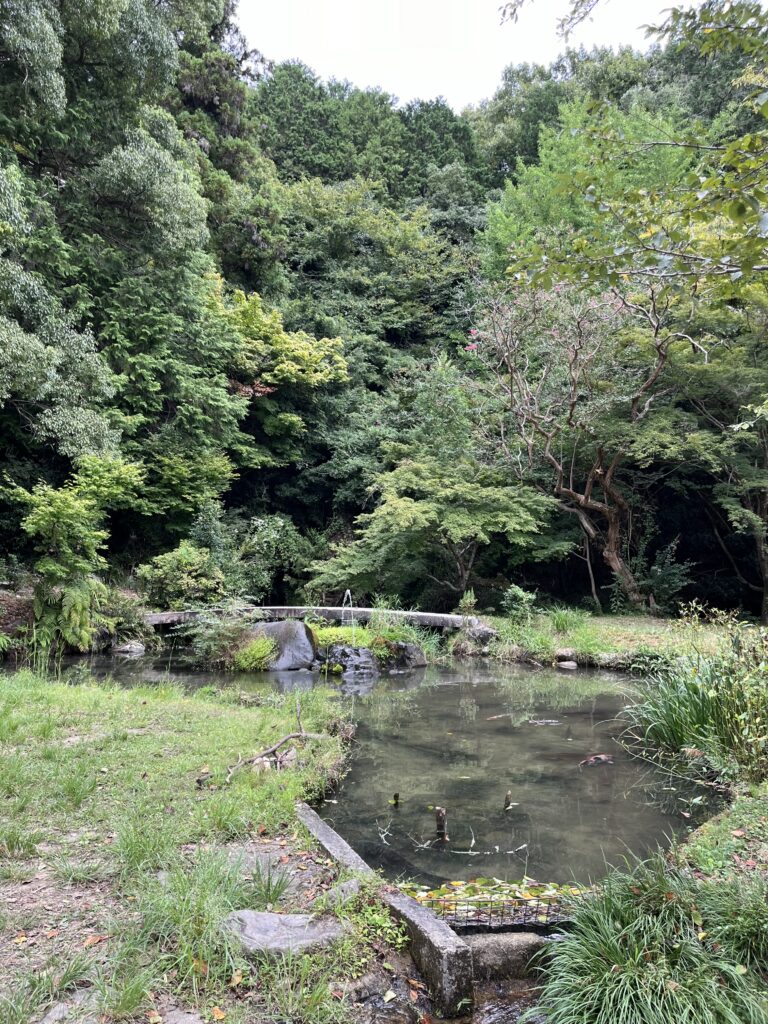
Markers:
217,634
255,656
639,952
182,577
123,616
518,603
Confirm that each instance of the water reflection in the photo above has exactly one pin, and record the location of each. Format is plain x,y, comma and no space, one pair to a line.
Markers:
466,738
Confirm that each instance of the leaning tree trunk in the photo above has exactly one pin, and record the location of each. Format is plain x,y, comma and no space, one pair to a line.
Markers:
614,560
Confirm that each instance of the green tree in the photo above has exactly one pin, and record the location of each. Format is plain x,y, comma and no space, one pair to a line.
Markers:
66,525
579,387
437,504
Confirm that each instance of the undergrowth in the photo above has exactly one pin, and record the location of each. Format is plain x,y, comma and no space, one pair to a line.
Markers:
710,710
653,946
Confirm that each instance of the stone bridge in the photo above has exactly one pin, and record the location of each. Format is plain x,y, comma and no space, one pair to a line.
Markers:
432,620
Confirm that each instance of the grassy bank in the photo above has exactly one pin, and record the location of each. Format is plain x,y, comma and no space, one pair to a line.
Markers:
104,788
632,638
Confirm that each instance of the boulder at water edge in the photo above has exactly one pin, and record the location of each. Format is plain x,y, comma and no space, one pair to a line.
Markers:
295,644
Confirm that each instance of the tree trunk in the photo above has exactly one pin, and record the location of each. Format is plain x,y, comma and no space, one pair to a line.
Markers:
592,584
620,569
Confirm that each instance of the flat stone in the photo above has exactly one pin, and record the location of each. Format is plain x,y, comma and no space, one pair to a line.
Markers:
503,954
281,934
60,1011
567,666
182,1017
71,1011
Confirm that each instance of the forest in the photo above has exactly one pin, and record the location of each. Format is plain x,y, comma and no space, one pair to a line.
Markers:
267,336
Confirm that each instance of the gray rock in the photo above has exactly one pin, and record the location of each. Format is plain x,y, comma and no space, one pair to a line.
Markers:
405,657
181,1017
567,666
504,954
281,934
481,634
131,649
60,1011
295,644
353,660
79,1003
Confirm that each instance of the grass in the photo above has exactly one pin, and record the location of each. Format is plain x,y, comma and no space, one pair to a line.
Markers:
127,790
650,947
734,843
37,991
639,639
710,710
181,914
296,989
379,633
143,749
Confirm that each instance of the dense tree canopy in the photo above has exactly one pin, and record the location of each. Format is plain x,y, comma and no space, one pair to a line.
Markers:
336,340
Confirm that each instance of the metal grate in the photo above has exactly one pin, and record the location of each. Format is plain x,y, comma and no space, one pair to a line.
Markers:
484,914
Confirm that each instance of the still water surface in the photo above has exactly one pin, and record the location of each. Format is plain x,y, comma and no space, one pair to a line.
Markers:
466,737
463,738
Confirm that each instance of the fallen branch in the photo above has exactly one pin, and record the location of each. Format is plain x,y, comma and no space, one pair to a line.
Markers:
242,762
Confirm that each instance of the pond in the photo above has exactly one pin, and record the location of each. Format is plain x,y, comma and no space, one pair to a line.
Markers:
472,738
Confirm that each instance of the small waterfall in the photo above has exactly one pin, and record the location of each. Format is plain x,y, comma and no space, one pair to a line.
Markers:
348,614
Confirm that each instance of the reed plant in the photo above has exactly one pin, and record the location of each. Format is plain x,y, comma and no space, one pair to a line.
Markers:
711,709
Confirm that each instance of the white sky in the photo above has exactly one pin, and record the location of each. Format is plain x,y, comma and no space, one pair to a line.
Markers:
427,48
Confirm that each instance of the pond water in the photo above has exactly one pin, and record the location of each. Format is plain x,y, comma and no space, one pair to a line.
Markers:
463,738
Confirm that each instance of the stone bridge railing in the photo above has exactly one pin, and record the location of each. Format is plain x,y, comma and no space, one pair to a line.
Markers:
432,620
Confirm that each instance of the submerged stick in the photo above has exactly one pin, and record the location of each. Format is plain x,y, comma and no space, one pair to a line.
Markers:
441,824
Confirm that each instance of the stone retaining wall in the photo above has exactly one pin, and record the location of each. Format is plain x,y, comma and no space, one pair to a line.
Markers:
450,964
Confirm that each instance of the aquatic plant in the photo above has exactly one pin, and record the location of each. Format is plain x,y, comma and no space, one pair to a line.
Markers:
489,901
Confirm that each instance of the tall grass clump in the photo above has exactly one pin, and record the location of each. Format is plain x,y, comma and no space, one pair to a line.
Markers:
565,619
182,914
711,709
639,951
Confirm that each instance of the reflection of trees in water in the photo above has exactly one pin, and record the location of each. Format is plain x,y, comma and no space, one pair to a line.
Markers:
386,710
675,796
558,690
468,708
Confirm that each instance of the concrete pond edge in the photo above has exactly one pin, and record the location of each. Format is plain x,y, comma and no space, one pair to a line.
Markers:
450,964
